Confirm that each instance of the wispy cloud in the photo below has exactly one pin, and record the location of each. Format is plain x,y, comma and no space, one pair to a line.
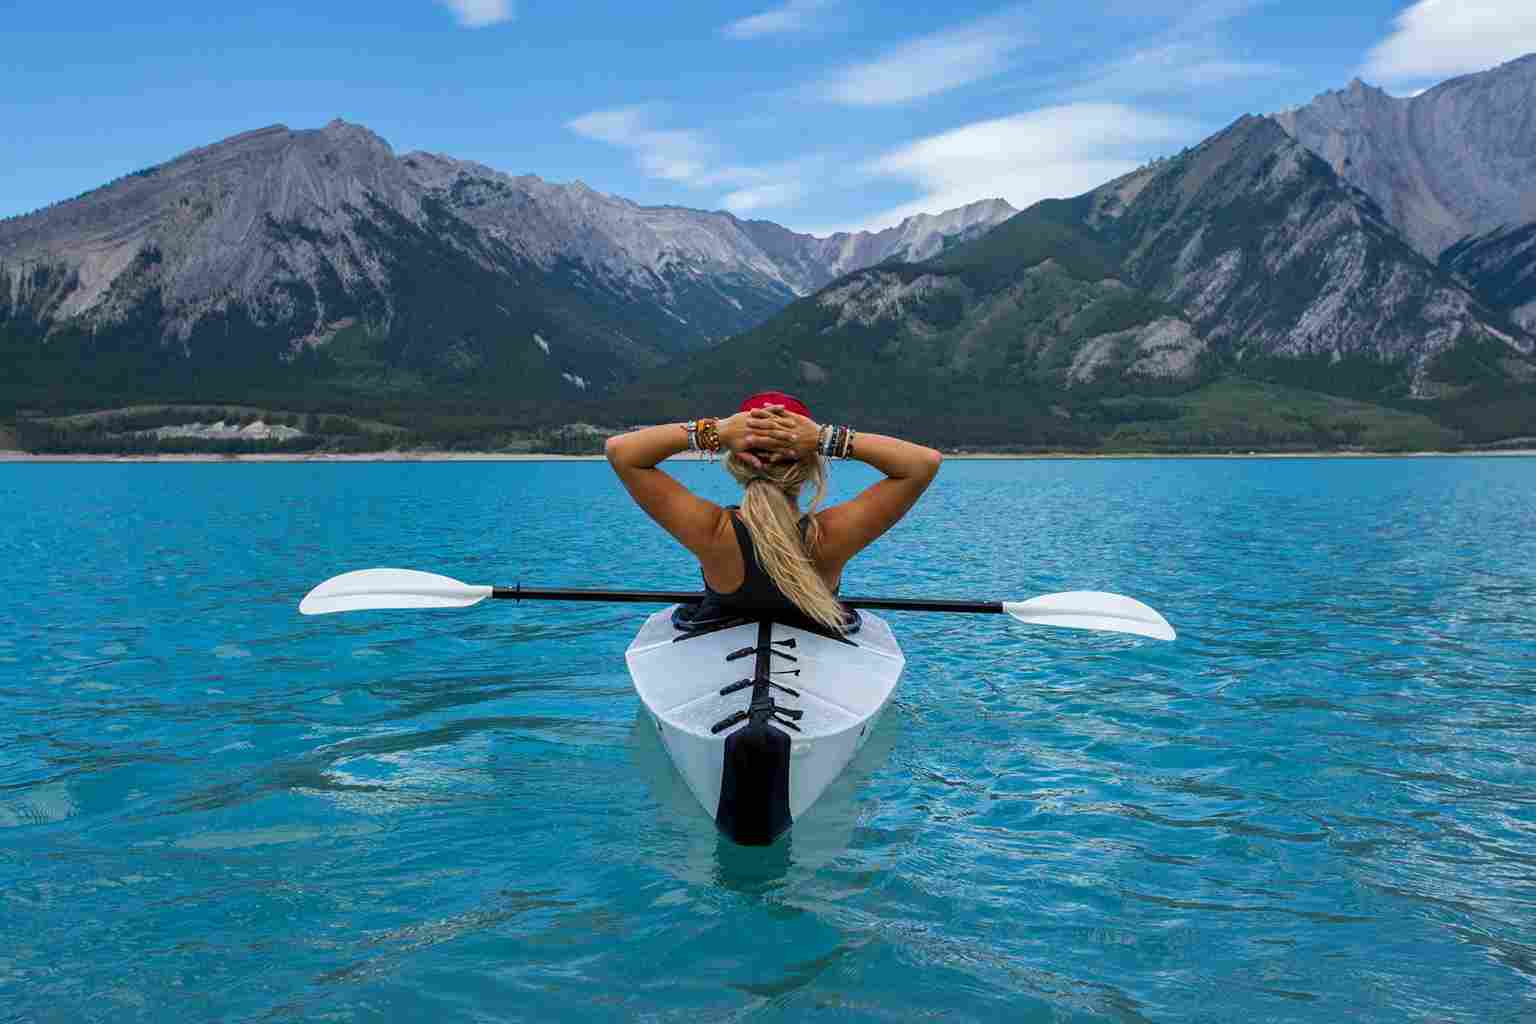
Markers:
668,154
794,16
1053,152
1195,51
687,158
1438,38
480,13
1169,67
777,195
930,64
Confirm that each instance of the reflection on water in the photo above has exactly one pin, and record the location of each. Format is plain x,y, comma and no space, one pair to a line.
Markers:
815,840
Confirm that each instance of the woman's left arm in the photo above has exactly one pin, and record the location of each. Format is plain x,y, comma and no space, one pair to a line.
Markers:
636,456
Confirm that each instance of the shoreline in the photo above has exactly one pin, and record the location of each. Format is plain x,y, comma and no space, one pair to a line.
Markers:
427,456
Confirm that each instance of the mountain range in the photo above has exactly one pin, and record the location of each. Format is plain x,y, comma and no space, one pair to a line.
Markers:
408,272
1368,247
1246,250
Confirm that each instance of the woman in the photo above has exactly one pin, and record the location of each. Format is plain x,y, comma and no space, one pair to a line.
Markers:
764,556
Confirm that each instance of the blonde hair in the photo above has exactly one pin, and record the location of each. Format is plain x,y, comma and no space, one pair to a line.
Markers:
769,509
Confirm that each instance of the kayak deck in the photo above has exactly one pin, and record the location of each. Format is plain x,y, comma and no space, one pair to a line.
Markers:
762,714
839,684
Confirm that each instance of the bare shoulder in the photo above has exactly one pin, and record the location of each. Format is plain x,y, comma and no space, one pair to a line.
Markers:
839,536
850,527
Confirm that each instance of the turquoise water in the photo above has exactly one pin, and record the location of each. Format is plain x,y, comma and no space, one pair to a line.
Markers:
1317,805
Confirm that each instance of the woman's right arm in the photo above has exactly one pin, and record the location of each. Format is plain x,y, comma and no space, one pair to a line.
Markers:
852,526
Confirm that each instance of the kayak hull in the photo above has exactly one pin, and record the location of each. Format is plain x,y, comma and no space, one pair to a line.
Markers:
798,706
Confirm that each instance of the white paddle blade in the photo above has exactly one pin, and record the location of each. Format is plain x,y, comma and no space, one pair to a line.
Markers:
389,588
1092,609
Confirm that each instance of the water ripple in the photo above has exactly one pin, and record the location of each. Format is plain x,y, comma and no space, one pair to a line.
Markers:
1316,806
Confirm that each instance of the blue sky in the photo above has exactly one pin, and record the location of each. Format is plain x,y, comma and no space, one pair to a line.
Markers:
817,114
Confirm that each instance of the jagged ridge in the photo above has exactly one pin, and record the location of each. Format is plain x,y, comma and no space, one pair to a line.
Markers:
1454,161
1246,253
279,244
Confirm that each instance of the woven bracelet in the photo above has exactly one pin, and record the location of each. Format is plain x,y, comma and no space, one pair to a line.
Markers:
709,435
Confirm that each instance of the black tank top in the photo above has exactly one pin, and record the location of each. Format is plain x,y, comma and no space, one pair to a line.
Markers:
758,592
757,596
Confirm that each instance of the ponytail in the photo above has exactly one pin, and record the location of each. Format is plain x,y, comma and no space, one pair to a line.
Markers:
768,511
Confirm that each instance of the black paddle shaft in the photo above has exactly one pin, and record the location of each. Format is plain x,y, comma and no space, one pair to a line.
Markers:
891,604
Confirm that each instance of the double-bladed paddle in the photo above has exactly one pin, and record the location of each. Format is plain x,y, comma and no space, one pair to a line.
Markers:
407,588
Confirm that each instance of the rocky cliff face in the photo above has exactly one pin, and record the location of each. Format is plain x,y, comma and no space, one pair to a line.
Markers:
1272,255
276,243
205,230
1501,267
1457,160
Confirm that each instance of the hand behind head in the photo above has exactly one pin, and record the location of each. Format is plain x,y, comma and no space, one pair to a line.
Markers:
796,435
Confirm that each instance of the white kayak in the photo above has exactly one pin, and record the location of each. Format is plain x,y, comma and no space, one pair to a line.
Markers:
760,717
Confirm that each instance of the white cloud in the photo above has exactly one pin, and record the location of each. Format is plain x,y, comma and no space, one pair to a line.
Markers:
1439,38
778,194
480,13
668,154
1170,67
1194,52
689,159
794,16
1209,14
931,64
1053,152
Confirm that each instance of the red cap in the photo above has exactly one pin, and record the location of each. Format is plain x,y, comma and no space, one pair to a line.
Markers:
763,398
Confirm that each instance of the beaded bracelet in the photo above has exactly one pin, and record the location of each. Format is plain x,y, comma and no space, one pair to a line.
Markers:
834,442
825,439
709,434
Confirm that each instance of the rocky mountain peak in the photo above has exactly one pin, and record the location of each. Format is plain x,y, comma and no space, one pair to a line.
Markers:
346,134
1454,161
